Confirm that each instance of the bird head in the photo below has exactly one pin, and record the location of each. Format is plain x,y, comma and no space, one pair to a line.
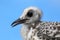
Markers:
30,15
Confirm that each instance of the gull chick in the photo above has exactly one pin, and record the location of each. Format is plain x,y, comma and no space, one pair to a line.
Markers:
35,29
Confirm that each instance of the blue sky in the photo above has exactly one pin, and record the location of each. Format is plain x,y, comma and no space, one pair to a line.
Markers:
10,10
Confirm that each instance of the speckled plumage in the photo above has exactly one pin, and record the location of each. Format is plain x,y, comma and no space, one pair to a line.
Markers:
45,31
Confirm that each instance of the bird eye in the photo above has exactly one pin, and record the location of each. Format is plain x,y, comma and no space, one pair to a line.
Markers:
30,13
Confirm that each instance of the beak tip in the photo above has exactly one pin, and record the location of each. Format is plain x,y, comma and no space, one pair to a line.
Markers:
12,25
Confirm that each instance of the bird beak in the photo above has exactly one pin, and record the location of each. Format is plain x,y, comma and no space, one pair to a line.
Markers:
18,21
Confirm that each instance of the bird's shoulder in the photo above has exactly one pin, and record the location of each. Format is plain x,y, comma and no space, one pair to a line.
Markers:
49,23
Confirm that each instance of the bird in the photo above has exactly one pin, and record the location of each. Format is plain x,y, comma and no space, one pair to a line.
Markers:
33,28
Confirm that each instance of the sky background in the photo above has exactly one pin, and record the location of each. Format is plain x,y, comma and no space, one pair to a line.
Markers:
11,10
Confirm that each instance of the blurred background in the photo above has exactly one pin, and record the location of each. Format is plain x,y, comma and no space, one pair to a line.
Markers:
11,10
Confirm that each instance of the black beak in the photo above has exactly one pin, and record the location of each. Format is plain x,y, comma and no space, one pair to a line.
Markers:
18,21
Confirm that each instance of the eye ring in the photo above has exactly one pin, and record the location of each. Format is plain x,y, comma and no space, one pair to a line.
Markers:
30,13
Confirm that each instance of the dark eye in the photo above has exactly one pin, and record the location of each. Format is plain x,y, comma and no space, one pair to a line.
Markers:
30,13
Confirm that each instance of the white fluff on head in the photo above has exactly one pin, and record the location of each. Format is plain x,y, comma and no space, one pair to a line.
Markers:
37,14
32,8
